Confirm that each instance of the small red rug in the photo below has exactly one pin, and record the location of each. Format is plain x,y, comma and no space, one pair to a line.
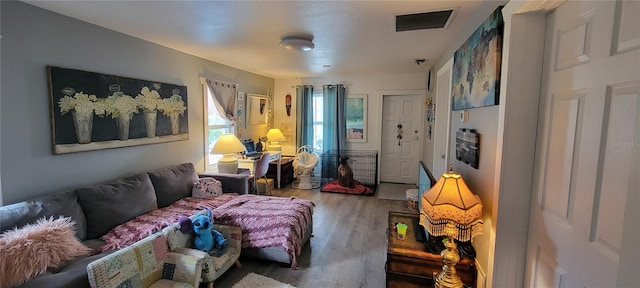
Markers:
359,189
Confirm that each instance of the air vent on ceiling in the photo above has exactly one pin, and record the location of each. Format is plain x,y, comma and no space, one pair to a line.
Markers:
419,21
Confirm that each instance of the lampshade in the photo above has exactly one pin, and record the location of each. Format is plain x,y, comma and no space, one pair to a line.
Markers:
228,145
451,201
275,135
299,43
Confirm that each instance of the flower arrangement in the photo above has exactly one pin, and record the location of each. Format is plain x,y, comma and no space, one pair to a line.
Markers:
82,103
148,100
172,106
120,104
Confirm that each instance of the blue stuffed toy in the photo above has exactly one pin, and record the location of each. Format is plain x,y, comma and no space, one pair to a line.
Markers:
206,238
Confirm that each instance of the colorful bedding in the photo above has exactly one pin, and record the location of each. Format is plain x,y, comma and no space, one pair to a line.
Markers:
265,221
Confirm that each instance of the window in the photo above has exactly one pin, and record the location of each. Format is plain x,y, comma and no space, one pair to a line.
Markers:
317,121
215,126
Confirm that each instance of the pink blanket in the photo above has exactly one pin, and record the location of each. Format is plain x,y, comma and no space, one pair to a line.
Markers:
265,221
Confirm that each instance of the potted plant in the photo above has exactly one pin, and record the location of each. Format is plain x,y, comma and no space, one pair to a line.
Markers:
173,107
149,100
82,107
121,107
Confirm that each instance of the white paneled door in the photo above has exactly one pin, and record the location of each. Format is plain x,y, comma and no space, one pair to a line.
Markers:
588,155
399,156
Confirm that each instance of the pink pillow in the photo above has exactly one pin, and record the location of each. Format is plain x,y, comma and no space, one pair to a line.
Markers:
206,188
28,251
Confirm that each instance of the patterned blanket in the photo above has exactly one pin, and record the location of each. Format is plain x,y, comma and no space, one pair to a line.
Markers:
265,221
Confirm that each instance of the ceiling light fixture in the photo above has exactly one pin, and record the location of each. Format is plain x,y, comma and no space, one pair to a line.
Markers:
299,43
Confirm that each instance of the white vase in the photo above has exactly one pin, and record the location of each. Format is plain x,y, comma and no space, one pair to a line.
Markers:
123,126
150,123
175,123
84,123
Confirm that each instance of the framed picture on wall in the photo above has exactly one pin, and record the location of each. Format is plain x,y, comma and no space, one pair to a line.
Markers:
356,113
476,66
93,111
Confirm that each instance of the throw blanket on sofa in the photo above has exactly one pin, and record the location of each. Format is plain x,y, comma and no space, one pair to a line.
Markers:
265,221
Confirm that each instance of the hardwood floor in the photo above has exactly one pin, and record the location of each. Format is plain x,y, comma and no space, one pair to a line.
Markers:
347,248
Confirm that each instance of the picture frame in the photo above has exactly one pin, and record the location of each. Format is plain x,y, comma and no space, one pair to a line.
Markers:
475,80
356,115
94,111
468,147
257,110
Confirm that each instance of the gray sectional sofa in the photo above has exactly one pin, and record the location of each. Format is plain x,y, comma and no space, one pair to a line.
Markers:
98,208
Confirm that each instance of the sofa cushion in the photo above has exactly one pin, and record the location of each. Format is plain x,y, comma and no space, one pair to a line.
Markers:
173,183
107,205
28,251
58,204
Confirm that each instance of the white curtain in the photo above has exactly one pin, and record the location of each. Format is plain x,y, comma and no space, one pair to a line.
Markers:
224,98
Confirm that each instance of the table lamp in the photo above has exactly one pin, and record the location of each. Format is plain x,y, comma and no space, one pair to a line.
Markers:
228,145
275,135
450,209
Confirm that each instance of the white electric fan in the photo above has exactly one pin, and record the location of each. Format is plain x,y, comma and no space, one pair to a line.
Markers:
303,166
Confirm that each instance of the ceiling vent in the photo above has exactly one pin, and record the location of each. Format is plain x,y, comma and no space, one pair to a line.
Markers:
421,21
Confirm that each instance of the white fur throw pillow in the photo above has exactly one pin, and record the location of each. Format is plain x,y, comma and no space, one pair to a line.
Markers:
28,251
206,188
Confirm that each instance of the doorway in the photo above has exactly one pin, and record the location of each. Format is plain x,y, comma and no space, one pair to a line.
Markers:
401,137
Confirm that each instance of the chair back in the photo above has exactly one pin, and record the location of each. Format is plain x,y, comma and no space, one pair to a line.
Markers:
262,166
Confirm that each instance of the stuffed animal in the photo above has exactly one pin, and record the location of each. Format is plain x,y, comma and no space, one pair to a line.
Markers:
206,238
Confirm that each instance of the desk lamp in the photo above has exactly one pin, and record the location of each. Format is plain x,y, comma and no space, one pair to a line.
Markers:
228,145
275,135
450,209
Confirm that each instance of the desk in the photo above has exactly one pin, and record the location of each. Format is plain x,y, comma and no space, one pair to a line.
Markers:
251,164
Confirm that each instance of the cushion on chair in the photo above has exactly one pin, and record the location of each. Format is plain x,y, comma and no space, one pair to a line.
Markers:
213,265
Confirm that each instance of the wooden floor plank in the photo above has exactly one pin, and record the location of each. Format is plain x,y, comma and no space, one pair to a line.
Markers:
348,248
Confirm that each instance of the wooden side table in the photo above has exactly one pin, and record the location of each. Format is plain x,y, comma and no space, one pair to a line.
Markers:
409,262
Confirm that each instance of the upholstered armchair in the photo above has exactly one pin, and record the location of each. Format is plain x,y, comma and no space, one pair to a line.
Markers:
146,263
213,265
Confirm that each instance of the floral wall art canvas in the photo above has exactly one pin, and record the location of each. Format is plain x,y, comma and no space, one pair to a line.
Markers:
476,66
92,111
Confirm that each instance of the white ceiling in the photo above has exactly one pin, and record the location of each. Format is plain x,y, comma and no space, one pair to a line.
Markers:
353,37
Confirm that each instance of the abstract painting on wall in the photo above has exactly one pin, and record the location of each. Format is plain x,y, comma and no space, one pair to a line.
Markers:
476,66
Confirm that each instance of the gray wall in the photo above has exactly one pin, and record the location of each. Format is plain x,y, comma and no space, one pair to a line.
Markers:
34,38
485,121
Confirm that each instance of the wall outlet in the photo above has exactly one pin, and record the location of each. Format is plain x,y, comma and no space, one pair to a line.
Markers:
464,116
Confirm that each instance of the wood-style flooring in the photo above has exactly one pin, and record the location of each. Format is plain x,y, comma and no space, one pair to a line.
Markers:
348,247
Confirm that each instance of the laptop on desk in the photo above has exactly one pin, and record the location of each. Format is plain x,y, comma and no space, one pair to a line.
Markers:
251,150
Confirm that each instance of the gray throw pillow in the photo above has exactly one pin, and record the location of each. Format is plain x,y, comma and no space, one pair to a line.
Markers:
173,183
108,205
55,205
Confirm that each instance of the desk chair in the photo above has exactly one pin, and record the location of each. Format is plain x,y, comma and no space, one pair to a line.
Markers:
261,172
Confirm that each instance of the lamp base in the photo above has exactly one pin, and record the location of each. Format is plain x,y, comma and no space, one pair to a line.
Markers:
228,164
448,277
275,146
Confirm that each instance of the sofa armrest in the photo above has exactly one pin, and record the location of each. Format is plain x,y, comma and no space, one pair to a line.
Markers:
233,234
231,183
